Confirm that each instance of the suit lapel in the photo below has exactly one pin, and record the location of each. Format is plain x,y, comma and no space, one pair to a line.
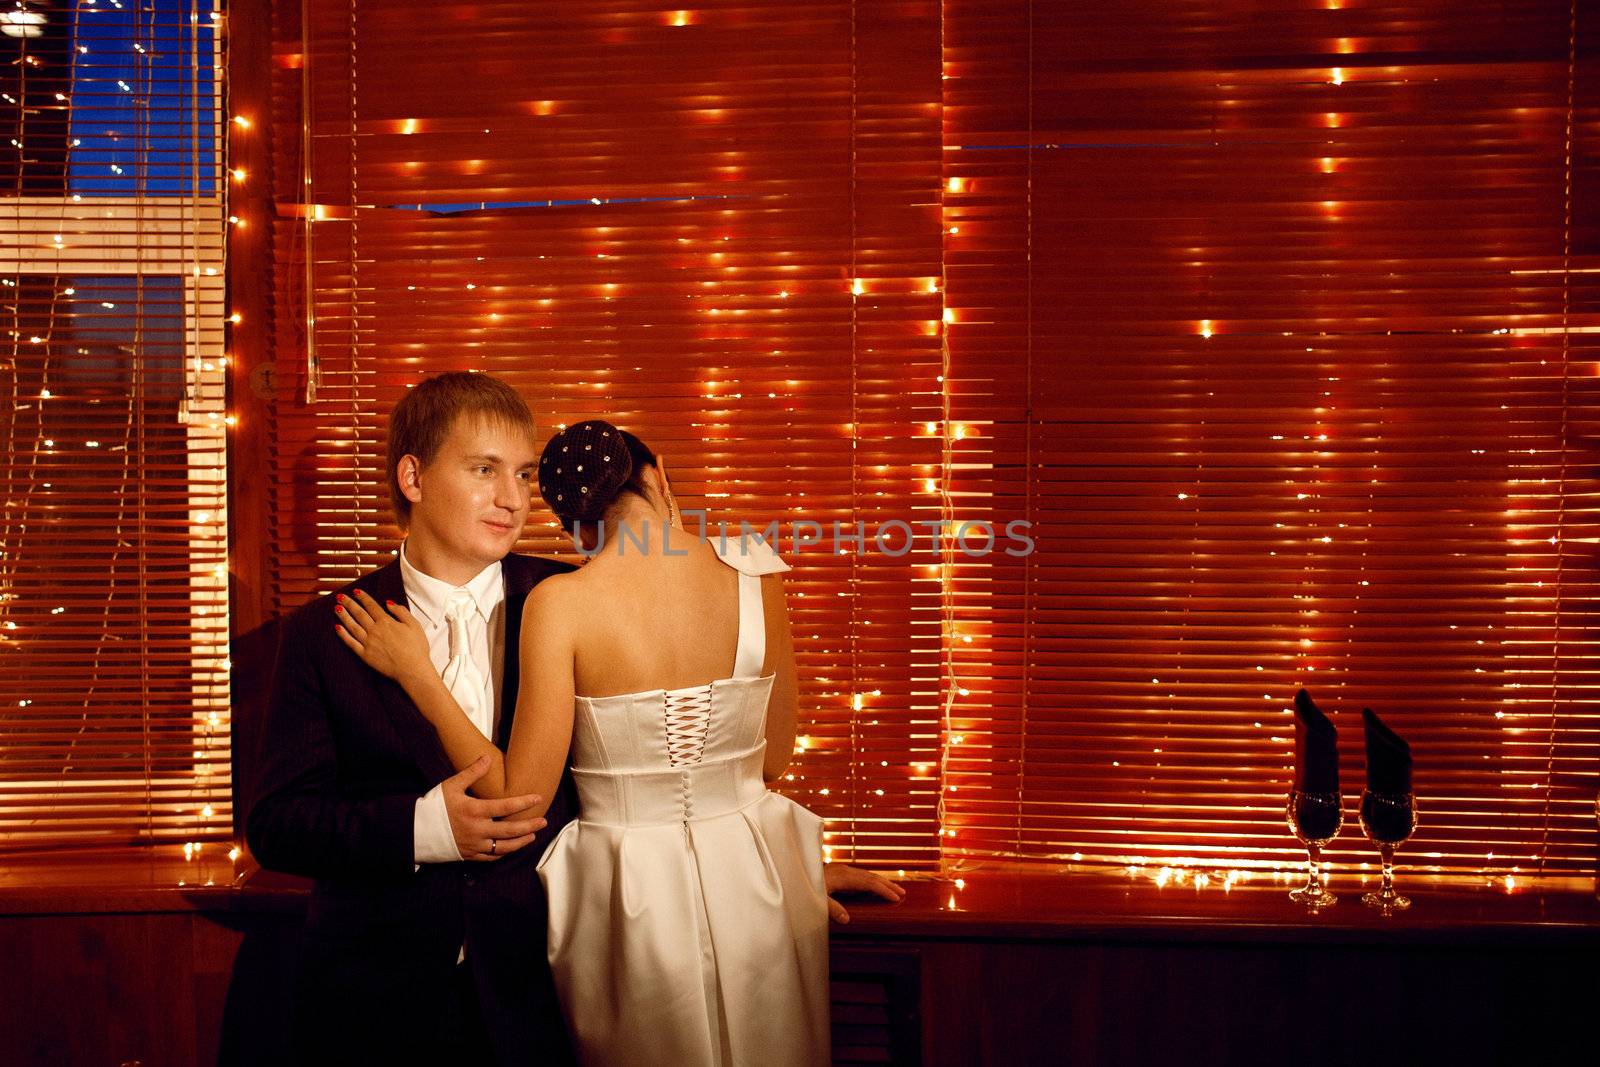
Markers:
518,584
418,734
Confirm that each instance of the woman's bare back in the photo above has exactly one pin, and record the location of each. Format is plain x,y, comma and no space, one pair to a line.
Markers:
656,621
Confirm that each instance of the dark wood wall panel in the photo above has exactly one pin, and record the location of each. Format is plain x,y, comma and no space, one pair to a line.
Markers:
188,989
1017,1002
175,988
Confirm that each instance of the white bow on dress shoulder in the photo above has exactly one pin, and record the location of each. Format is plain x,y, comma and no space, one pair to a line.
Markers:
747,553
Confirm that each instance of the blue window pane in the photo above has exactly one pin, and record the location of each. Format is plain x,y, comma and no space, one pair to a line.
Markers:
143,99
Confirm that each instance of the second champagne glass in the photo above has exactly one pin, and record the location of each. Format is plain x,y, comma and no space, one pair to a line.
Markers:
1314,819
1388,820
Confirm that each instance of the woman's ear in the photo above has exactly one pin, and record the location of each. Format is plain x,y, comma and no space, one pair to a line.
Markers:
664,487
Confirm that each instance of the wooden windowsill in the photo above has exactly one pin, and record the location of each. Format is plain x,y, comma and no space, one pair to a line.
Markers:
141,879
1088,905
1101,905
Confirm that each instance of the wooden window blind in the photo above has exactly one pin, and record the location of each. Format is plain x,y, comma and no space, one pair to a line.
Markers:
113,559
1278,328
1282,332
718,228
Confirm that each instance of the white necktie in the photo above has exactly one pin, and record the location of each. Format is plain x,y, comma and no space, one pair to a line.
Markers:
461,675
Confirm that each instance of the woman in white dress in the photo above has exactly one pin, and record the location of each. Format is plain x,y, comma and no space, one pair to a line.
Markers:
688,914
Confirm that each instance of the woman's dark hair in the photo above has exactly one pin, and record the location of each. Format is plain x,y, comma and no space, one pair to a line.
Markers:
587,466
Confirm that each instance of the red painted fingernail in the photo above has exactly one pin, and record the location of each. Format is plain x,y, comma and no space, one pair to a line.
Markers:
389,602
339,608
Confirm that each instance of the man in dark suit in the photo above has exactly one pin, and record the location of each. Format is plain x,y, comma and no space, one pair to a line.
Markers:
425,937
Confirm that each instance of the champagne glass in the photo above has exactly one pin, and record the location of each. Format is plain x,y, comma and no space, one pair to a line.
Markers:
1388,820
1314,819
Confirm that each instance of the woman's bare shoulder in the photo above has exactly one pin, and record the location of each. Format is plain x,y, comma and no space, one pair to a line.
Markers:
554,593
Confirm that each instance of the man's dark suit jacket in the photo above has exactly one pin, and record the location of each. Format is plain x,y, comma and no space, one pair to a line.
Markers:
345,756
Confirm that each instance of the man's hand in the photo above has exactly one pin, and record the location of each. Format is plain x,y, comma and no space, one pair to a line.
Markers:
480,833
843,878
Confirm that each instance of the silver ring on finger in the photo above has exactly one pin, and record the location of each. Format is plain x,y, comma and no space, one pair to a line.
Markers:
493,844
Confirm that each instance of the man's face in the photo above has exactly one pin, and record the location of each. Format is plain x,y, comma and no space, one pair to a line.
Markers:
469,503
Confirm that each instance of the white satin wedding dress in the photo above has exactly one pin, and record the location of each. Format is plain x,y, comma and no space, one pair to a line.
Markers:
688,919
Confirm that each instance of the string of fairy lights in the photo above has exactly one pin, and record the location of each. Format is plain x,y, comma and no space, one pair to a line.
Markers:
1336,563
117,267
1307,531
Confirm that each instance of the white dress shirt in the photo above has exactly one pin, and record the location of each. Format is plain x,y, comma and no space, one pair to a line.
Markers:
432,840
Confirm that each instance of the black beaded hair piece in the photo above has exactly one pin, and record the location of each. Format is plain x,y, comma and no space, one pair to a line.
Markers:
585,468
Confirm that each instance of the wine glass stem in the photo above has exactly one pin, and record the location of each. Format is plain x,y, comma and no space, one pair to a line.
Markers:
1314,854
1388,870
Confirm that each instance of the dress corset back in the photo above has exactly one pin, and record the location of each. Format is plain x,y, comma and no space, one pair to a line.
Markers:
686,717
720,722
